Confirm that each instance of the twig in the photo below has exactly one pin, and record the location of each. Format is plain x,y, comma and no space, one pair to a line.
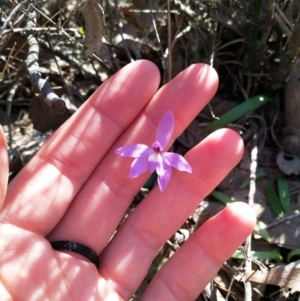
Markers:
182,33
35,29
63,31
164,57
120,26
11,16
59,69
185,8
286,218
284,18
7,62
7,34
9,100
157,11
55,103
285,29
169,41
214,34
5,39
252,189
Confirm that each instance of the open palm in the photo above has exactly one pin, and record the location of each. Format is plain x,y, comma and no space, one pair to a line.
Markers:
76,188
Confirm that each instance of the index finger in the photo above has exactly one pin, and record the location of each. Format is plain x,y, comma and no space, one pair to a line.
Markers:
41,193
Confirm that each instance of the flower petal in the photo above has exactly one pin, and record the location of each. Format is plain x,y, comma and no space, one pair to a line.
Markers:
164,179
138,167
176,161
134,151
153,165
155,162
165,129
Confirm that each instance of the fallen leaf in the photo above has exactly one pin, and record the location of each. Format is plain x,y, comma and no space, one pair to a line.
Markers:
284,276
95,27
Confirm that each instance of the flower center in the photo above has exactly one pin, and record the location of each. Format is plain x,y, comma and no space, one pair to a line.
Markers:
156,147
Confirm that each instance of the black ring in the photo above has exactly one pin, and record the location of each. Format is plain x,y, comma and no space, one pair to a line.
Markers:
77,248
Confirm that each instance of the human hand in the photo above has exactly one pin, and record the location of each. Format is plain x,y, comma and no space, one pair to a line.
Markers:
77,188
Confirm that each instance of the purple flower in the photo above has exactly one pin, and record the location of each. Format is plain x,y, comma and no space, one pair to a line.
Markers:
154,158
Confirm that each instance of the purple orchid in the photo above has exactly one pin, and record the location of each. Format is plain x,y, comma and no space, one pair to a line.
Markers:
153,157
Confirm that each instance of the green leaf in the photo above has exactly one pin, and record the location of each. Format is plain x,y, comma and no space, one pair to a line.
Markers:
222,197
273,199
272,255
294,252
237,112
259,175
284,194
261,229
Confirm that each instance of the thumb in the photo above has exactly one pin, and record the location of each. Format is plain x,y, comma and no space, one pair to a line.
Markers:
3,167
